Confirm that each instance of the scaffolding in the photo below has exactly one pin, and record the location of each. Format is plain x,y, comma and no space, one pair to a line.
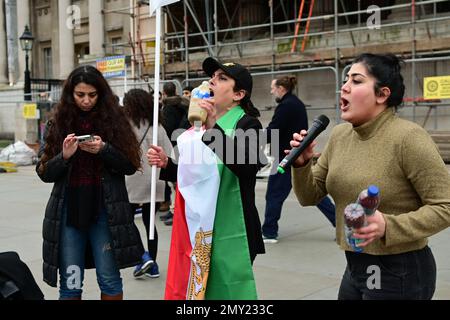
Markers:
263,35
139,59
268,36
266,41
185,38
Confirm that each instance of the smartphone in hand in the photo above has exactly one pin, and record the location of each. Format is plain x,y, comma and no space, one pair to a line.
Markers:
86,138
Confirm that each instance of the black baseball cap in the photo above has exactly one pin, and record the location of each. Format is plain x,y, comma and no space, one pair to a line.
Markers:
236,71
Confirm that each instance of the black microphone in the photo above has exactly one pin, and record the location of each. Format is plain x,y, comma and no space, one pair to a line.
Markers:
319,125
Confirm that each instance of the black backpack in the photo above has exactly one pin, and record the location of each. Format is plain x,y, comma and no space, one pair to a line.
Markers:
16,280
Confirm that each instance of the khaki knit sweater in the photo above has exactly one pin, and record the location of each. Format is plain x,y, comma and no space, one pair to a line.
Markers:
402,160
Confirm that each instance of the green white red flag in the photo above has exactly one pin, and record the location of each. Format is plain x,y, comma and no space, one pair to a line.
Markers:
209,255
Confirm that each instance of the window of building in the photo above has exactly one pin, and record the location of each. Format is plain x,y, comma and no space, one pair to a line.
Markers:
116,49
81,50
48,63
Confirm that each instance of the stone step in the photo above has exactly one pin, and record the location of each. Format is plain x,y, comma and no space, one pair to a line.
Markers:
442,140
440,136
443,147
446,157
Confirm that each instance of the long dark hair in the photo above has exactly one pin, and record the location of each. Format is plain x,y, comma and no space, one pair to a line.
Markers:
109,120
246,104
249,107
138,106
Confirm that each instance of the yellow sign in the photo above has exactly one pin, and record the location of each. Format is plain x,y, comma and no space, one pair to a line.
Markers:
436,87
112,66
30,111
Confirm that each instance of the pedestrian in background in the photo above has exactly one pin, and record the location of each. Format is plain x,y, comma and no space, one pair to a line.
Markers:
138,106
88,219
187,92
290,117
174,111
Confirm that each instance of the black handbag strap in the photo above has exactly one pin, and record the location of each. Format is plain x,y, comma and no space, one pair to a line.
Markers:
143,137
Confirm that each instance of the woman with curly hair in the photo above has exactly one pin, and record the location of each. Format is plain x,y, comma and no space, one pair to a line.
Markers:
88,220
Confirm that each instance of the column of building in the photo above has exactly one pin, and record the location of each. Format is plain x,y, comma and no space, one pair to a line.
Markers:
3,52
66,40
96,29
23,19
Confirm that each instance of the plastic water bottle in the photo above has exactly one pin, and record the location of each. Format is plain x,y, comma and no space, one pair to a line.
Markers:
369,199
197,115
355,214
355,218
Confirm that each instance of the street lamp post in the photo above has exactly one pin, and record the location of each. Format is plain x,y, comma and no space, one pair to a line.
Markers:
26,42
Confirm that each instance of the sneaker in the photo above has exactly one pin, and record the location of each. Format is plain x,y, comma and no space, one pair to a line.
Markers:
272,240
153,272
142,268
167,216
138,212
169,221
165,206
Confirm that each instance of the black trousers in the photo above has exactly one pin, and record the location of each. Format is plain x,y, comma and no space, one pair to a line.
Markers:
406,276
152,245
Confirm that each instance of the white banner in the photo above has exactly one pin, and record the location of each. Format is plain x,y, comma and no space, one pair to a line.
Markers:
155,4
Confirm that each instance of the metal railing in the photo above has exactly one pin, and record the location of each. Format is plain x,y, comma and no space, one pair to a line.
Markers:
46,89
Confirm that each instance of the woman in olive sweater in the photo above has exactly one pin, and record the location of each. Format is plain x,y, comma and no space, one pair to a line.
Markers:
377,147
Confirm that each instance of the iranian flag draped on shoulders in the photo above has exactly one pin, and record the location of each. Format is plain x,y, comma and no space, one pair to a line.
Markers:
209,253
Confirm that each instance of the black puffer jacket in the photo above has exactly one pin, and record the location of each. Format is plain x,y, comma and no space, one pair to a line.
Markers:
290,117
175,115
126,241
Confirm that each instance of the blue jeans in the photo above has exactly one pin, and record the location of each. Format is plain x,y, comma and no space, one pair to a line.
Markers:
278,188
328,209
72,251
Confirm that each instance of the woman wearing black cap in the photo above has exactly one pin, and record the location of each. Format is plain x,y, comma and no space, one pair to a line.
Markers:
216,230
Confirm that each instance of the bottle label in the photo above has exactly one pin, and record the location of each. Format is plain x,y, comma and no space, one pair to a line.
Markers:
197,114
202,91
203,95
354,244
351,241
